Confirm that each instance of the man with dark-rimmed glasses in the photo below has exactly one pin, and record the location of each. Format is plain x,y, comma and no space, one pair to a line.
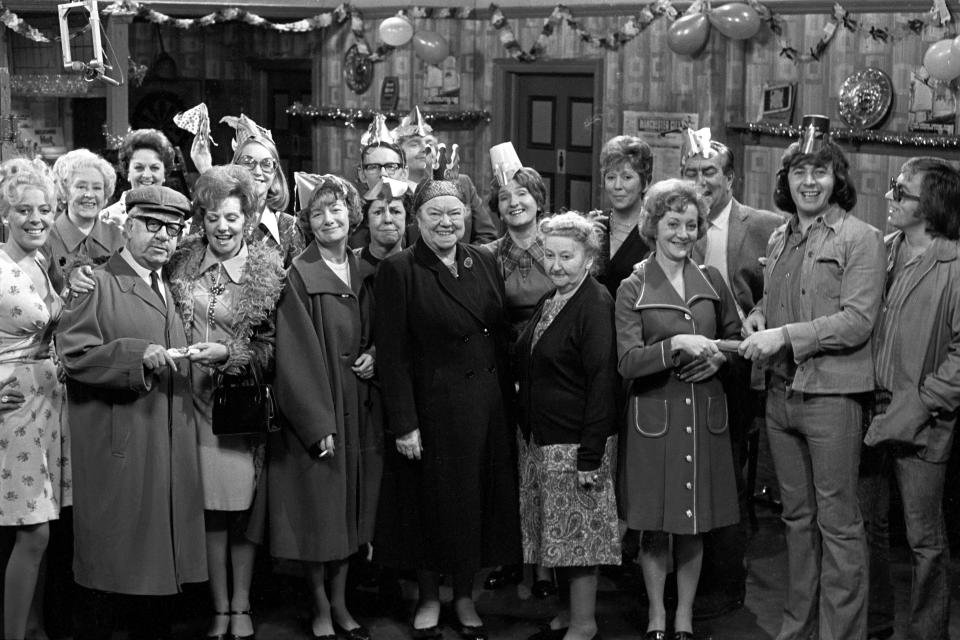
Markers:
137,500
917,362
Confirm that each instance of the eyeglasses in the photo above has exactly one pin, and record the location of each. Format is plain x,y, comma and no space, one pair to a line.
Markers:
896,190
267,165
153,225
374,168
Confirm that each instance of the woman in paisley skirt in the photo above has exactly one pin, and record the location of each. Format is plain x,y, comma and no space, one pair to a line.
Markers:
34,471
226,290
568,416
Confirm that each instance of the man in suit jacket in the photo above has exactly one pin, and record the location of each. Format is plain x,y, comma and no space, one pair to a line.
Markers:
735,241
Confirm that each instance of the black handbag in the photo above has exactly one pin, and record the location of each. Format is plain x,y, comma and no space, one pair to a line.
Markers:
243,405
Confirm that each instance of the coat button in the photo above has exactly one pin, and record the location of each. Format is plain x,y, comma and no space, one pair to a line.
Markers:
686,316
486,331
689,458
689,486
689,513
466,338
689,429
687,401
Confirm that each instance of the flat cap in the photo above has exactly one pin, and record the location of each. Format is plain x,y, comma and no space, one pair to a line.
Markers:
158,199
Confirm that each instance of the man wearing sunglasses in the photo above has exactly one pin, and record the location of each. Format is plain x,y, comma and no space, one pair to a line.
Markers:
917,363
137,501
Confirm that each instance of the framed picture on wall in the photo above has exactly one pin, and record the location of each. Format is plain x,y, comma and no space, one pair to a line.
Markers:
933,106
776,102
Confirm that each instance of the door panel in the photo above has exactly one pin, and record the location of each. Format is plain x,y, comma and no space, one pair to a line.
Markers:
292,135
553,133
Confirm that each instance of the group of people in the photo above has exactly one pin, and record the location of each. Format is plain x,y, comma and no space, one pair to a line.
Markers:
570,392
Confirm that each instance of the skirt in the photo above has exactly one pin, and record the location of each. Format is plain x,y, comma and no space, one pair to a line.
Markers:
563,524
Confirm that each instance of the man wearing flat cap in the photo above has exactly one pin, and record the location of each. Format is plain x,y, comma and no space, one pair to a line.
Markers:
138,511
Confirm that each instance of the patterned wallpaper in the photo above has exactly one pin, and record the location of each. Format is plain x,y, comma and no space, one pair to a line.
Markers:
722,84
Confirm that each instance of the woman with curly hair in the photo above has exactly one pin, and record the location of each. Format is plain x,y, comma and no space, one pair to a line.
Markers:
676,464
325,461
226,291
145,158
78,236
626,164
34,451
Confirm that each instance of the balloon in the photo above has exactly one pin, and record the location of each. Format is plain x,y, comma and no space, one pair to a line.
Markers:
687,35
942,61
396,31
736,20
430,47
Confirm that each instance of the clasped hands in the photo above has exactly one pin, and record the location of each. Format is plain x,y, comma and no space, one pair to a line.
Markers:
707,358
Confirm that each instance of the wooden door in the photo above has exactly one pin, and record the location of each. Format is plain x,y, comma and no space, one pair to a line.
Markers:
553,132
291,134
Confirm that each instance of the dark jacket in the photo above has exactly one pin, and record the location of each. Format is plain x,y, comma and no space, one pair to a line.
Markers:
923,409
748,231
611,271
568,381
322,509
68,247
442,361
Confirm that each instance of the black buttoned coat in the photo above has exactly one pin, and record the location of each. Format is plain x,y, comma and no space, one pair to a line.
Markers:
442,361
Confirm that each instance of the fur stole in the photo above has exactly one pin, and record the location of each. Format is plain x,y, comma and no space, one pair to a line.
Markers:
253,309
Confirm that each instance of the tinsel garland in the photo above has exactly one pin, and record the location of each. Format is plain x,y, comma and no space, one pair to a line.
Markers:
353,116
854,136
561,14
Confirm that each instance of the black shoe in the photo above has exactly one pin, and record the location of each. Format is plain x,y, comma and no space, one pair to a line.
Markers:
357,633
549,634
469,632
426,633
683,635
502,576
252,636
543,589
655,634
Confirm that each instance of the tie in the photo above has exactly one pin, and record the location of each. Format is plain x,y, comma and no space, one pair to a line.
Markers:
155,285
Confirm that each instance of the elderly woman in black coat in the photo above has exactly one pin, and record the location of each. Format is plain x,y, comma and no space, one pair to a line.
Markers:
449,495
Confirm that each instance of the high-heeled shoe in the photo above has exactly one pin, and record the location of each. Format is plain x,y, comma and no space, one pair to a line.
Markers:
655,634
502,576
471,632
220,636
359,632
251,636
683,635
425,633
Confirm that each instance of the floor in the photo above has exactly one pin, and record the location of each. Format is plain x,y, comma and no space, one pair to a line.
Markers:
282,608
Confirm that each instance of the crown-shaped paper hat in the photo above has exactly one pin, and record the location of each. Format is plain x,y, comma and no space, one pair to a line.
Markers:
196,120
413,124
697,143
505,162
387,189
446,162
244,129
814,131
378,132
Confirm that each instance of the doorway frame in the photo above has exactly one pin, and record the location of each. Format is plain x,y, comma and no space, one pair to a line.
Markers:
507,74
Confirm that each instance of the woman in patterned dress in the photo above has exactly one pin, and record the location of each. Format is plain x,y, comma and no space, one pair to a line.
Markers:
568,415
226,291
34,468
676,463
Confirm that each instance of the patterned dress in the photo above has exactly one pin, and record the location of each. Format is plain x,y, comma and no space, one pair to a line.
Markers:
34,448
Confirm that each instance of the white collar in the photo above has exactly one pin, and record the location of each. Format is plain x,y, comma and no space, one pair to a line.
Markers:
723,218
270,221
141,270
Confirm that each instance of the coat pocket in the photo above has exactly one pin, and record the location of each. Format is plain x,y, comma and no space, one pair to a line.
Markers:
119,431
717,417
828,272
651,416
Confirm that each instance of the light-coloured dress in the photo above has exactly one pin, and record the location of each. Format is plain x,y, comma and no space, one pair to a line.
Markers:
34,446
229,465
